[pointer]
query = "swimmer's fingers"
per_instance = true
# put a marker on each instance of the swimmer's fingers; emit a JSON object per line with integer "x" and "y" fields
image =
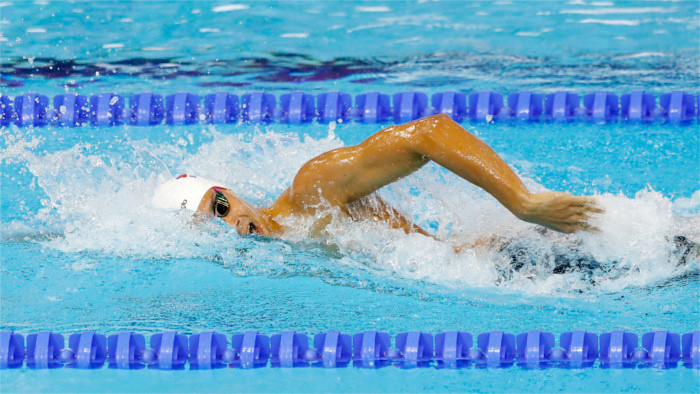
{"x": 590, "y": 204}
{"x": 578, "y": 226}
{"x": 583, "y": 201}
{"x": 586, "y": 226}
{"x": 562, "y": 211}
{"x": 593, "y": 209}
{"x": 579, "y": 222}
{"x": 586, "y": 214}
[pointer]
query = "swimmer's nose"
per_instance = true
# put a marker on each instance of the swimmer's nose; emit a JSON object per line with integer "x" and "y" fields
{"x": 245, "y": 226}
{"x": 241, "y": 225}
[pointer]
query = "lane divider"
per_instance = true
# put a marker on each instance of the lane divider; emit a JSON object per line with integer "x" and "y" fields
{"x": 371, "y": 349}
{"x": 149, "y": 109}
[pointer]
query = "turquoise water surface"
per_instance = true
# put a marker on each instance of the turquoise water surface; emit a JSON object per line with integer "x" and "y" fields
{"x": 83, "y": 249}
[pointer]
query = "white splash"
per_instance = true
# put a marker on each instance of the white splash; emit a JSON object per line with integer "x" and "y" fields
{"x": 372, "y": 9}
{"x": 98, "y": 201}
{"x": 230, "y": 7}
{"x": 294, "y": 35}
{"x": 612, "y": 22}
{"x": 528, "y": 33}
{"x": 642, "y": 54}
{"x": 629, "y": 10}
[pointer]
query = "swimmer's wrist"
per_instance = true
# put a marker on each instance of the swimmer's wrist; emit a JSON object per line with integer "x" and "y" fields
{"x": 524, "y": 206}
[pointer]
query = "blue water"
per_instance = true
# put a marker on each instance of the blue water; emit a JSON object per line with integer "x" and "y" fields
{"x": 82, "y": 248}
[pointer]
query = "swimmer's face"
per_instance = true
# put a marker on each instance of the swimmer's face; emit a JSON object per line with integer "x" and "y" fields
{"x": 241, "y": 215}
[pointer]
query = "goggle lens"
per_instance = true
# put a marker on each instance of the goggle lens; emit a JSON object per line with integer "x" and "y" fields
{"x": 221, "y": 205}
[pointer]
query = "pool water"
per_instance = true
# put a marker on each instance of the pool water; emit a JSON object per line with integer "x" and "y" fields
{"x": 83, "y": 249}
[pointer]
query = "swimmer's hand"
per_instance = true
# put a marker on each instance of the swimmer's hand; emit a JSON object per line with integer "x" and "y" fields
{"x": 562, "y": 212}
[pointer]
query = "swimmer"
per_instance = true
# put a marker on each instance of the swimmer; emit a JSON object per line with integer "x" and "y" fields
{"x": 346, "y": 178}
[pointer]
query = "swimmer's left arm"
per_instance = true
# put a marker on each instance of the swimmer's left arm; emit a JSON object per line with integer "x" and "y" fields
{"x": 345, "y": 175}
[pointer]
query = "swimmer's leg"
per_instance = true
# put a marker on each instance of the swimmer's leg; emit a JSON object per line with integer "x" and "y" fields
{"x": 685, "y": 249}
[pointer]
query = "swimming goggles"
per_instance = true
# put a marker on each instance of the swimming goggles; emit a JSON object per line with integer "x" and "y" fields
{"x": 221, "y": 205}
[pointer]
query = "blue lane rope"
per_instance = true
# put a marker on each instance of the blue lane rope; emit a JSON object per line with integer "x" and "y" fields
{"x": 370, "y": 349}
{"x": 149, "y": 109}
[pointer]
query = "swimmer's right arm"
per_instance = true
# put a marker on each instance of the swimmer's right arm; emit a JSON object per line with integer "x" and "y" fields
{"x": 348, "y": 174}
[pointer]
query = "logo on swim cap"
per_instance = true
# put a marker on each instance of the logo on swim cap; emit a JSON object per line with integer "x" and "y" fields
{"x": 178, "y": 192}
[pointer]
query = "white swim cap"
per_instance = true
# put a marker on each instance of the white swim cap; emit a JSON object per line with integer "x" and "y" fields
{"x": 183, "y": 192}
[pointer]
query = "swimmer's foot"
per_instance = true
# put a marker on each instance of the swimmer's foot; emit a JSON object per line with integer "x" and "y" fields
{"x": 685, "y": 249}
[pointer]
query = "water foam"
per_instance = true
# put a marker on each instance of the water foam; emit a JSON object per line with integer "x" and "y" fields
{"x": 97, "y": 202}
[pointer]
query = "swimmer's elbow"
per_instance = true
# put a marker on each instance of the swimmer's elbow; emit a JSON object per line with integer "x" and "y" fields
{"x": 439, "y": 121}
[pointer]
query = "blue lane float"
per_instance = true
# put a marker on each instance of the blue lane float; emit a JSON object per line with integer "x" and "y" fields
{"x": 662, "y": 349}
{"x": 296, "y": 108}
{"x": 617, "y": 349}
{"x": 12, "y": 350}
{"x": 5, "y": 110}
{"x": 251, "y": 350}
{"x": 370, "y": 349}
{"x": 453, "y": 104}
{"x": 498, "y": 349}
{"x": 89, "y": 350}
{"x": 691, "y": 349}
{"x": 184, "y": 108}
{"x": 44, "y": 350}
{"x": 333, "y": 348}
{"x": 561, "y": 106}
{"x": 677, "y": 106}
{"x": 534, "y": 348}
{"x": 181, "y": 108}
{"x": 207, "y": 350}
{"x": 525, "y": 106}
{"x": 71, "y": 110}
{"x": 372, "y": 107}
{"x": 171, "y": 350}
{"x": 31, "y": 110}
{"x": 601, "y": 106}
{"x": 258, "y": 107}
{"x": 638, "y": 106}
{"x": 125, "y": 350}
{"x": 146, "y": 109}
{"x": 580, "y": 348}
{"x": 334, "y": 107}
{"x": 452, "y": 348}
{"x": 486, "y": 106}
{"x": 220, "y": 108}
{"x": 289, "y": 349}
{"x": 415, "y": 349}
{"x": 409, "y": 106}
{"x": 107, "y": 109}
